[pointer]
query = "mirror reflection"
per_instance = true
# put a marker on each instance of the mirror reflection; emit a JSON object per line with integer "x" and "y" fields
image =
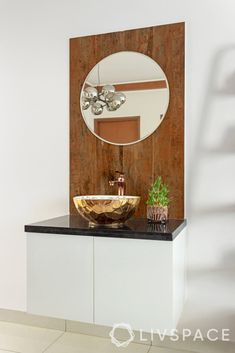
{"x": 124, "y": 98}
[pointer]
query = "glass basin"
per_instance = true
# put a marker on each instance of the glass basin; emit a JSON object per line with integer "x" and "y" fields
{"x": 108, "y": 210}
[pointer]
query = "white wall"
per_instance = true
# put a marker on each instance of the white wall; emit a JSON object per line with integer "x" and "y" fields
{"x": 34, "y": 78}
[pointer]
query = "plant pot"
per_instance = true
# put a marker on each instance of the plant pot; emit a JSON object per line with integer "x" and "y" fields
{"x": 157, "y": 214}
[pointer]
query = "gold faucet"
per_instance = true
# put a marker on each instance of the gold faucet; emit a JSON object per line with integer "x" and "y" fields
{"x": 120, "y": 181}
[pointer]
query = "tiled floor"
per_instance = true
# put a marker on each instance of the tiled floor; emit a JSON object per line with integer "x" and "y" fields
{"x": 16, "y": 338}
{"x": 26, "y": 339}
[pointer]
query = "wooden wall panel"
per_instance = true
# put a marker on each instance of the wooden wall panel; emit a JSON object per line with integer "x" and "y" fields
{"x": 93, "y": 162}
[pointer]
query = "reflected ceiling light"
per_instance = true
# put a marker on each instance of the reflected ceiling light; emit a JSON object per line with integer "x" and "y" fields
{"x": 108, "y": 98}
{"x": 97, "y": 100}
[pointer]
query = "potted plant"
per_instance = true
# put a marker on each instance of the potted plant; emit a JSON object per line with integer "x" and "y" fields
{"x": 158, "y": 202}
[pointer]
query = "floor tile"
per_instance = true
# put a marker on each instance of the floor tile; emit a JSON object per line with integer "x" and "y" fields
{"x": 77, "y": 343}
{"x": 26, "y": 339}
{"x": 198, "y": 346}
{"x": 166, "y": 350}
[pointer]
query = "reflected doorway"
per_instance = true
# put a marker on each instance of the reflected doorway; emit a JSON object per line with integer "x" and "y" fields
{"x": 118, "y": 130}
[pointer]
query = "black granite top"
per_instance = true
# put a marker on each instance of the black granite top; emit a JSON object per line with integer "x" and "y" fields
{"x": 136, "y": 228}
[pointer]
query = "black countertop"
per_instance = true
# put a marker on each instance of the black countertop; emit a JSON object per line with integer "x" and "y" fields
{"x": 136, "y": 228}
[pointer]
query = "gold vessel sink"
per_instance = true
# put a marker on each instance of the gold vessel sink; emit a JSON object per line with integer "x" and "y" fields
{"x": 109, "y": 210}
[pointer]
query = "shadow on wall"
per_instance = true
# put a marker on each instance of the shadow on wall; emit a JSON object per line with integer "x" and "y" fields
{"x": 204, "y": 322}
{"x": 223, "y": 274}
{"x": 211, "y": 299}
{"x": 216, "y": 210}
{"x": 227, "y": 145}
{"x": 220, "y": 88}
{"x": 211, "y": 204}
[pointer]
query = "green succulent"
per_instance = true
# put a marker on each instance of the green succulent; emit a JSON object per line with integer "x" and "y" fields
{"x": 158, "y": 194}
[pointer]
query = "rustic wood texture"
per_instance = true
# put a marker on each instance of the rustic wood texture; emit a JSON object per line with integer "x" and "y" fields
{"x": 93, "y": 162}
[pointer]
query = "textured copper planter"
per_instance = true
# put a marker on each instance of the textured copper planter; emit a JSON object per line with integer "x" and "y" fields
{"x": 157, "y": 214}
{"x": 108, "y": 210}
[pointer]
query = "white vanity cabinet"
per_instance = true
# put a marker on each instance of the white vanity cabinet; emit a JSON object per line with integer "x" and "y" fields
{"x": 60, "y": 276}
{"x": 139, "y": 282}
{"x": 99, "y": 278}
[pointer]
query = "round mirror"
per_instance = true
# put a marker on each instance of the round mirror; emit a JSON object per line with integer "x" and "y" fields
{"x": 124, "y": 98}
